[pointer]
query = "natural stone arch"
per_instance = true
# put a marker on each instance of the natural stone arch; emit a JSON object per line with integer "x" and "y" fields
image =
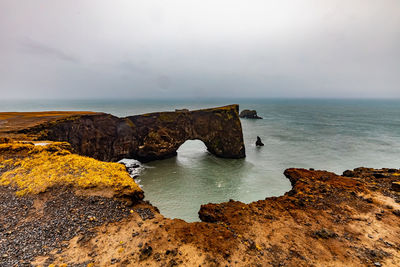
{"x": 194, "y": 145}
{"x": 161, "y": 134}
{"x": 150, "y": 136}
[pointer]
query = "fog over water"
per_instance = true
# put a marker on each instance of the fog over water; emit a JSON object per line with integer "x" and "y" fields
{"x": 176, "y": 48}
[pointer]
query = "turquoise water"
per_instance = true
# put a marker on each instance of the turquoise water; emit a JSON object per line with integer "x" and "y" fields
{"x": 334, "y": 135}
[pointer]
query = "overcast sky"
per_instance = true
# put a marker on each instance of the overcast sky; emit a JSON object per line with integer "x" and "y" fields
{"x": 187, "y": 48}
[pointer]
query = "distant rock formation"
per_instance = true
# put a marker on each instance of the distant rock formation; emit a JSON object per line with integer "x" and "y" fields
{"x": 149, "y": 136}
{"x": 259, "y": 142}
{"x": 249, "y": 114}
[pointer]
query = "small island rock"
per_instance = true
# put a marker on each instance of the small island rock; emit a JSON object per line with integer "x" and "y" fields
{"x": 259, "y": 142}
{"x": 249, "y": 114}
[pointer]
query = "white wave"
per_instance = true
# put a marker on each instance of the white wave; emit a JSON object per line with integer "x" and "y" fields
{"x": 134, "y": 168}
{"x": 42, "y": 144}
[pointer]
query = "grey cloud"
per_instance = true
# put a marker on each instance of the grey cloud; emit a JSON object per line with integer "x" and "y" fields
{"x": 157, "y": 48}
{"x": 131, "y": 66}
{"x": 163, "y": 81}
{"x": 33, "y": 47}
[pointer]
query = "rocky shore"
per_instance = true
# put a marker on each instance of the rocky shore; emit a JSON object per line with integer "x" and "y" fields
{"x": 325, "y": 220}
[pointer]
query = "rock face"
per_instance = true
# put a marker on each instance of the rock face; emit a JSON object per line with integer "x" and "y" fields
{"x": 396, "y": 186}
{"x": 326, "y": 220}
{"x": 249, "y": 114}
{"x": 149, "y": 136}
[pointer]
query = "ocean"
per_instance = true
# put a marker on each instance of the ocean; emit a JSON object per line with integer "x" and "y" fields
{"x": 333, "y": 135}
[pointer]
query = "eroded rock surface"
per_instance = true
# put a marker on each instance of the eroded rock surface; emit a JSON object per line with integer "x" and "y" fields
{"x": 149, "y": 136}
{"x": 325, "y": 220}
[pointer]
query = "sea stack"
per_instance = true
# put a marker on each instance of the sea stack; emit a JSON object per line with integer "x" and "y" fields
{"x": 259, "y": 142}
{"x": 249, "y": 114}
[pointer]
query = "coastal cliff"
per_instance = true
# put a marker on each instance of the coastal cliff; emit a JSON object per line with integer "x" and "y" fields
{"x": 325, "y": 220}
{"x": 62, "y": 209}
{"x": 149, "y": 136}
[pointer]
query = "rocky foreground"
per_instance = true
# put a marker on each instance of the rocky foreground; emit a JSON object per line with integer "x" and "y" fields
{"x": 325, "y": 220}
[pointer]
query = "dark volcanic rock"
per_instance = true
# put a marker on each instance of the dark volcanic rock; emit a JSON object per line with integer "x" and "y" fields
{"x": 324, "y": 233}
{"x": 149, "y": 136}
{"x": 30, "y": 231}
{"x": 5, "y": 140}
{"x": 259, "y": 142}
{"x": 396, "y": 186}
{"x": 249, "y": 114}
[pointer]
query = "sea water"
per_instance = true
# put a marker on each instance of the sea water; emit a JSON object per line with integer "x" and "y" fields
{"x": 332, "y": 135}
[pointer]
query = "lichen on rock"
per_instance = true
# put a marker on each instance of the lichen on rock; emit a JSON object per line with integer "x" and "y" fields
{"x": 35, "y": 169}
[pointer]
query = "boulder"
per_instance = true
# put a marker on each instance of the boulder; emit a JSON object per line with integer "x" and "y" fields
{"x": 249, "y": 114}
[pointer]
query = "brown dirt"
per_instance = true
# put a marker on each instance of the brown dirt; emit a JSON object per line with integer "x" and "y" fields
{"x": 15, "y": 121}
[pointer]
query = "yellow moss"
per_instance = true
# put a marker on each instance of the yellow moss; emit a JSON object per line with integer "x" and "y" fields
{"x": 48, "y": 166}
{"x": 15, "y": 146}
{"x": 168, "y": 116}
{"x": 154, "y": 135}
{"x": 23, "y": 149}
{"x": 130, "y": 123}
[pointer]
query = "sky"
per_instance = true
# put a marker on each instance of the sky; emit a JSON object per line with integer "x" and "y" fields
{"x": 199, "y": 49}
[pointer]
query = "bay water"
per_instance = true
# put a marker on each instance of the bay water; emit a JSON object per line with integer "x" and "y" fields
{"x": 328, "y": 134}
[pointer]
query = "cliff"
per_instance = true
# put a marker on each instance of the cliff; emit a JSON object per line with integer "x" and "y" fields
{"x": 325, "y": 220}
{"x": 149, "y": 136}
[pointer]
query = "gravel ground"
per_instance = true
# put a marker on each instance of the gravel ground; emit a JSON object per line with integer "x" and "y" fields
{"x": 27, "y": 231}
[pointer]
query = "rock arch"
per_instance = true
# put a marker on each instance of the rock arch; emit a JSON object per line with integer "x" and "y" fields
{"x": 192, "y": 145}
{"x": 150, "y": 136}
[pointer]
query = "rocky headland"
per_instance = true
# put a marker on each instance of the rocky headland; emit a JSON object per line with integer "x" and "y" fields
{"x": 145, "y": 137}
{"x": 59, "y": 208}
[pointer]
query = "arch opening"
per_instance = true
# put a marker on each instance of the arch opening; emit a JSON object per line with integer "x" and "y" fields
{"x": 192, "y": 148}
